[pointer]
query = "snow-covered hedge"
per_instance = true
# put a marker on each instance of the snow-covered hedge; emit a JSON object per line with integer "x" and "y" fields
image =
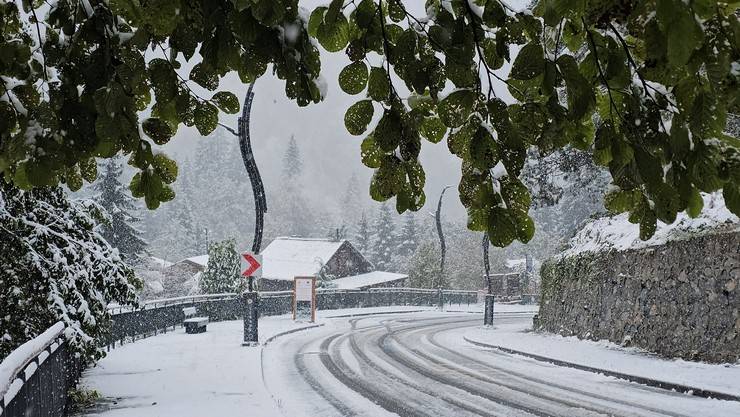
{"x": 55, "y": 267}
{"x": 616, "y": 232}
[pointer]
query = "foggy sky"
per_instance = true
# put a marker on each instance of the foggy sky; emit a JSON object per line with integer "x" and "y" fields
{"x": 330, "y": 153}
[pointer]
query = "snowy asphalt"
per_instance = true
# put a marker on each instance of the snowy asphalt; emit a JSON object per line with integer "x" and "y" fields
{"x": 418, "y": 365}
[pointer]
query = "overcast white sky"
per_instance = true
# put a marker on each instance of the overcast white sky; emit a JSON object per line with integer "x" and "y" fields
{"x": 330, "y": 153}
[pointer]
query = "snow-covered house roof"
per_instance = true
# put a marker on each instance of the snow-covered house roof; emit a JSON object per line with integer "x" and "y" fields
{"x": 288, "y": 257}
{"x": 160, "y": 262}
{"x": 370, "y": 279}
{"x": 194, "y": 263}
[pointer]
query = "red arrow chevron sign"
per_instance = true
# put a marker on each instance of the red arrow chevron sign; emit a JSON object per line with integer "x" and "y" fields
{"x": 253, "y": 267}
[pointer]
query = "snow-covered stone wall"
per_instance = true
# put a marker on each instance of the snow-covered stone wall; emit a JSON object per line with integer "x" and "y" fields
{"x": 679, "y": 299}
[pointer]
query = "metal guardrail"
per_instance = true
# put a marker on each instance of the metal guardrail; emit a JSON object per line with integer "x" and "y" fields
{"x": 37, "y": 377}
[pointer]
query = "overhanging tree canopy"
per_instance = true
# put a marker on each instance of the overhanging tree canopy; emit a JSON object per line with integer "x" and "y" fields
{"x": 645, "y": 84}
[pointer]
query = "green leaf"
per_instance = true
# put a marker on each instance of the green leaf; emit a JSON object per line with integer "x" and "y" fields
{"x": 205, "y": 117}
{"x": 388, "y": 132}
{"x": 334, "y": 36}
{"x": 378, "y": 88}
{"x": 648, "y": 224}
{"x": 358, "y": 116}
{"x": 502, "y": 228}
{"x": 603, "y": 145}
{"x": 158, "y": 130}
{"x": 204, "y": 76}
{"x": 268, "y": 12}
{"x": 395, "y": 10}
{"x": 316, "y": 19}
{"x": 731, "y": 194}
{"x": 619, "y": 201}
{"x": 529, "y": 63}
{"x": 163, "y": 78}
{"x": 490, "y": 54}
{"x": 483, "y": 150}
{"x": 353, "y": 78}
{"x": 88, "y": 169}
{"x": 694, "y": 202}
{"x": 457, "y": 107}
{"x": 515, "y": 194}
{"x": 165, "y": 167}
{"x": 581, "y": 97}
{"x": 371, "y": 153}
{"x": 226, "y": 101}
{"x": 432, "y": 129}
{"x": 524, "y": 226}
{"x": 683, "y": 32}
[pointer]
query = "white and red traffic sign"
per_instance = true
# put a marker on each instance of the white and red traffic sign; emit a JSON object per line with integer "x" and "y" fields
{"x": 251, "y": 264}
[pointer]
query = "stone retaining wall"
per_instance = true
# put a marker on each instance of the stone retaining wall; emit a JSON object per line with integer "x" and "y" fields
{"x": 681, "y": 299}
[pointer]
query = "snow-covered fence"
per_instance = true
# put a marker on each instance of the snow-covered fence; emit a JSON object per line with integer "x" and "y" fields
{"x": 35, "y": 377}
{"x": 160, "y": 316}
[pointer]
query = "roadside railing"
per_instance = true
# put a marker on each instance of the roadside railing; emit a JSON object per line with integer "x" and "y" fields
{"x": 161, "y": 316}
{"x": 36, "y": 377}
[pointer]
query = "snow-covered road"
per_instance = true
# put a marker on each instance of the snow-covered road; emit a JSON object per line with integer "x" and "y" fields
{"x": 419, "y": 365}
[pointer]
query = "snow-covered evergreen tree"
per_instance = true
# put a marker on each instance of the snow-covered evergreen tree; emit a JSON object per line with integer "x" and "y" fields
{"x": 56, "y": 267}
{"x": 384, "y": 243}
{"x": 222, "y": 272}
{"x": 424, "y": 266}
{"x": 363, "y": 236}
{"x": 409, "y": 239}
{"x": 293, "y": 211}
{"x": 351, "y": 204}
{"x": 292, "y": 161}
{"x": 120, "y": 230}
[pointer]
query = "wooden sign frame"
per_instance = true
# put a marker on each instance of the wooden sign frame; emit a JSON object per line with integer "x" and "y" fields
{"x": 313, "y": 296}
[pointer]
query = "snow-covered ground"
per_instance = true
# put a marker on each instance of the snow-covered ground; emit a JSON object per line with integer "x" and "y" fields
{"x": 206, "y": 374}
{"x": 616, "y": 232}
{"x": 611, "y": 357}
{"x": 178, "y": 374}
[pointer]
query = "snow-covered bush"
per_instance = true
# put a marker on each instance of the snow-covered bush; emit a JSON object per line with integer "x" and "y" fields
{"x": 222, "y": 272}
{"x": 54, "y": 266}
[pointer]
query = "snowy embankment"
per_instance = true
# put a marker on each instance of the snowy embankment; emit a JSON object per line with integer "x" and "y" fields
{"x": 616, "y": 232}
{"x": 611, "y": 357}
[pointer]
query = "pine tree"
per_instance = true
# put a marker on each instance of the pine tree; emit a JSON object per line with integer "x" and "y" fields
{"x": 351, "y": 204}
{"x": 384, "y": 244}
{"x": 409, "y": 239}
{"x": 293, "y": 210}
{"x": 57, "y": 267}
{"x": 114, "y": 197}
{"x": 292, "y": 162}
{"x": 363, "y": 237}
{"x": 424, "y": 266}
{"x": 222, "y": 272}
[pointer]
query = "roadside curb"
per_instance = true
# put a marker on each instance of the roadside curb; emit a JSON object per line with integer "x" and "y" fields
{"x": 287, "y": 332}
{"x": 698, "y": 392}
{"x": 374, "y": 314}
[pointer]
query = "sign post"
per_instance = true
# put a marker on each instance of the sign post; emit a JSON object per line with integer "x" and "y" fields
{"x": 252, "y": 267}
{"x": 304, "y": 298}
